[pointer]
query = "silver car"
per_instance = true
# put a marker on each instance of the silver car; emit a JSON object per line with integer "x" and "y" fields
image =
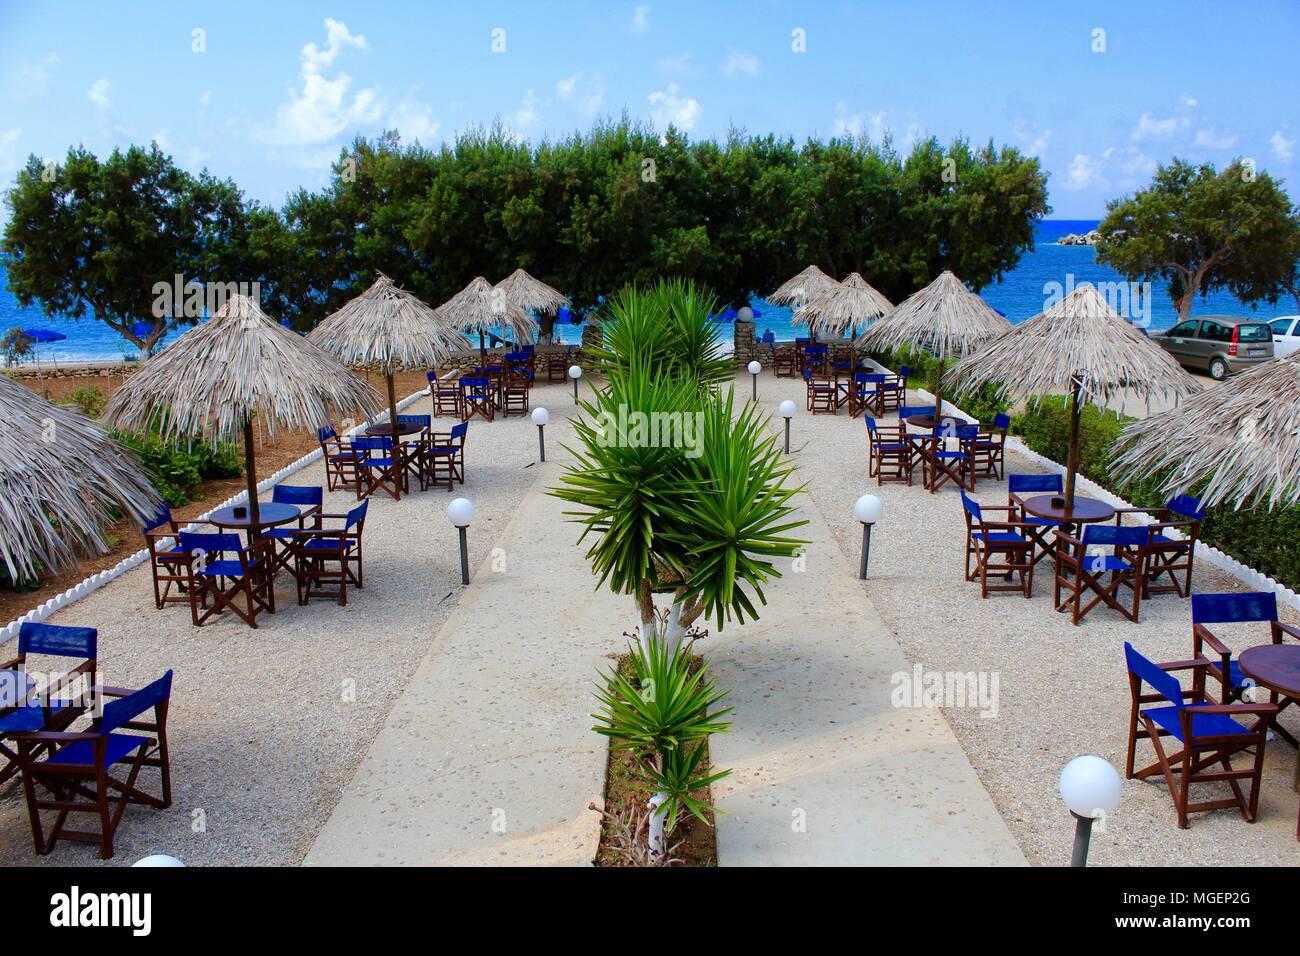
{"x": 1218, "y": 344}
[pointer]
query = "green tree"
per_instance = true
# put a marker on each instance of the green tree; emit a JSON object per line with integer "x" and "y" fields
{"x": 1202, "y": 231}
{"x": 94, "y": 237}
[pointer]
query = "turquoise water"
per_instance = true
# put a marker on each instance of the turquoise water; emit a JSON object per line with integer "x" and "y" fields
{"x": 1023, "y": 293}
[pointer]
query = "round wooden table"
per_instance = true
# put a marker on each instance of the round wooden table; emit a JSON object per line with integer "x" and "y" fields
{"x": 1275, "y": 667}
{"x": 928, "y": 423}
{"x": 269, "y": 515}
{"x": 385, "y": 430}
{"x": 1085, "y": 510}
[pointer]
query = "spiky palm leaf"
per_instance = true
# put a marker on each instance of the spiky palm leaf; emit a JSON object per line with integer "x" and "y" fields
{"x": 669, "y": 326}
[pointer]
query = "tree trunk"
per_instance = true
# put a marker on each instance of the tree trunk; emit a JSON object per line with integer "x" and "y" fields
{"x": 655, "y": 826}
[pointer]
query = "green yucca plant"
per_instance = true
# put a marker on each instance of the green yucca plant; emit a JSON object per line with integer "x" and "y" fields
{"x": 664, "y": 713}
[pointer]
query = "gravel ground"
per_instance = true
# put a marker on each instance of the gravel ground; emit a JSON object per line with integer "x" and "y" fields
{"x": 1063, "y": 690}
{"x": 267, "y": 726}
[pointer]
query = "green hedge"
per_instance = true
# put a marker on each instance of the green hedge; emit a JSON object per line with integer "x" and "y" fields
{"x": 179, "y": 472}
{"x": 1268, "y": 541}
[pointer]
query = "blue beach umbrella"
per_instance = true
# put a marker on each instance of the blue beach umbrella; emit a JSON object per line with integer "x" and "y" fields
{"x": 44, "y": 335}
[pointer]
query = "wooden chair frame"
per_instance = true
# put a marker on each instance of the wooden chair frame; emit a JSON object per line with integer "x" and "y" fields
{"x": 888, "y": 447}
{"x": 1043, "y": 532}
{"x": 1075, "y": 577}
{"x": 340, "y": 460}
{"x": 1183, "y": 769}
{"x": 168, "y": 567}
{"x": 445, "y": 458}
{"x": 383, "y": 472}
{"x": 785, "y": 361}
{"x": 445, "y": 396}
{"x": 341, "y": 564}
{"x": 1016, "y": 555}
{"x": 1170, "y": 556}
{"x": 990, "y": 448}
{"x": 103, "y": 794}
{"x": 255, "y": 581}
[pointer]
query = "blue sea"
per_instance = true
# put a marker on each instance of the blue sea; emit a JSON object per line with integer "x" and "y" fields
{"x": 1049, "y": 269}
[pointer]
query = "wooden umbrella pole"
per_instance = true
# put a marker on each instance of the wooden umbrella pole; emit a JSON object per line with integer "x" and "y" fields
{"x": 1072, "y": 462}
{"x": 250, "y": 473}
{"x": 392, "y": 402}
{"x": 396, "y": 452}
{"x": 482, "y": 350}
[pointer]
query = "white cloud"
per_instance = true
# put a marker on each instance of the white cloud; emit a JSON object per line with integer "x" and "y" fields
{"x": 1033, "y": 140}
{"x": 676, "y": 64}
{"x": 641, "y": 18}
{"x": 1084, "y": 171}
{"x": 205, "y": 98}
{"x": 9, "y": 154}
{"x": 162, "y": 139}
{"x": 586, "y": 95}
{"x": 415, "y": 122}
{"x": 877, "y": 126}
{"x": 1150, "y": 126}
{"x": 1283, "y": 149}
{"x": 527, "y": 119}
{"x": 1211, "y": 138}
{"x": 33, "y": 79}
{"x": 1187, "y": 100}
{"x": 99, "y": 93}
{"x": 739, "y": 62}
{"x": 671, "y": 107}
{"x": 322, "y": 107}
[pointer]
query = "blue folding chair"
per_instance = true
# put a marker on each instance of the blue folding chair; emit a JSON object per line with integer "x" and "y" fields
{"x": 1082, "y": 565}
{"x": 865, "y": 394}
{"x": 26, "y": 705}
{"x": 894, "y": 390}
{"x": 987, "y": 541}
{"x": 445, "y": 395}
{"x": 326, "y": 556}
{"x": 478, "y": 396}
{"x": 444, "y": 459}
{"x": 413, "y": 447}
{"x": 377, "y": 467}
{"x": 1040, "y": 529}
{"x": 991, "y": 446}
{"x": 340, "y": 460}
{"x": 887, "y": 447}
{"x": 309, "y": 499}
{"x": 1208, "y": 733}
{"x": 166, "y": 564}
{"x": 84, "y": 764}
{"x": 1170, "y": 556}
{"x": 1247, "y": 607}
{"x": 214, "y": 576}
{"x": 956, "y": 464}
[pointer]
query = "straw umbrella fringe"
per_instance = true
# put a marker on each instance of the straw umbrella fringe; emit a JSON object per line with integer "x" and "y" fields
{"x": 388, "y": 328}
{"x": 531, "y": 295}
{"x": 838, "y": 308}
{"x": 61, "y": 479}
{"x": 801, "y": 287}
{"x": 239, "y": 365}
{"x": 944, "y": 317}
{"x": 1079, "y": 347}
{"x": 478, "y": 307}
{"x": 1242, "y": 439}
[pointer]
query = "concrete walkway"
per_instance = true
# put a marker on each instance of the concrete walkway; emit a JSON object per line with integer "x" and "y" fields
{"x": 825, "y": 770}
{"x": 488, "y": 757}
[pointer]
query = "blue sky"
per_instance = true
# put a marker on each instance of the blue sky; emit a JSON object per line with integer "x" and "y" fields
{"x": 281, "y": 86}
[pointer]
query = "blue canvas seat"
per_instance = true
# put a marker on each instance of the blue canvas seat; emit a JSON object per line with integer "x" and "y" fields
{"x": 1248, "y": 607}
{"x": 1083, "y": 562}
{"x": 1210, "y": 735}
{"x": 1020, "y": 487}
{"x": 990, "y": 446}
{"x": 167, "y": 562}
{"x": 1167, "y": 555}
{"x": 443, "y": 461}
{"x": 328, "y": 559}
{"x": 60, "y": 767}
{"x": 309, "y": 499}
{"x": 889, "y": 456}
{"x": 893, "y": 391}
{"x": 339, "y": 457}
{"x": 218, "y": 581}
{"x": 26, "y": 706}
{"x": 997, "y": 549}
{"x": 445, "y": 394}
{"x": 377, "y": 467}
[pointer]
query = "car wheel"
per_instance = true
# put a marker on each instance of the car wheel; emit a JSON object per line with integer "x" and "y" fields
{"x": 1218, "y": 369}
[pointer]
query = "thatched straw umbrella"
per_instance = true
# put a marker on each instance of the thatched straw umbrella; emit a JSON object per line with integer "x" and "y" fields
{"x": 1241, "y": 438}
{"x": 61, "y": 477}
{"x": 478, "y": 307}
{"x": 802, "y": 287}
{"x": 388, "y": 328}
{"x": 532, "y": 295}
{"x": 239, "y": 365}
{"x": 944, "y": 317}
{"x": 1079, "y": 347}
{"x": 838, "y": 308}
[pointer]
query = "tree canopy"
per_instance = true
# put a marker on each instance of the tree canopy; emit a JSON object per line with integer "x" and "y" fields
{"x": 587, "y": 214}
{"x": 1202, "y": 231}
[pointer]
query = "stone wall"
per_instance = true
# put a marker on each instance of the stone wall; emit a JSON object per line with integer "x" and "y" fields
{"x": 744, "y": 342}
{"x": 25, "y": 373}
